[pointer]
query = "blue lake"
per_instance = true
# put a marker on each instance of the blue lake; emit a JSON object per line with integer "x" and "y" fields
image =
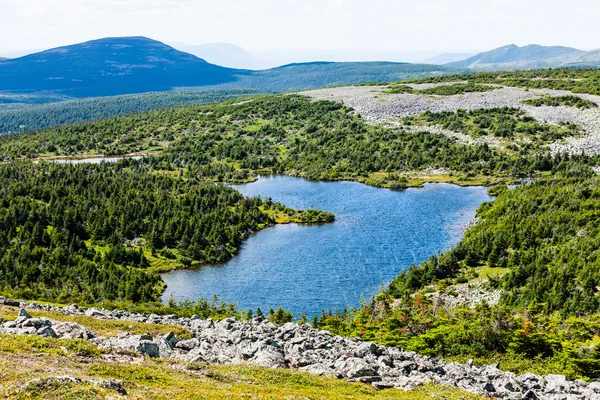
{"x": 377, "y": 234}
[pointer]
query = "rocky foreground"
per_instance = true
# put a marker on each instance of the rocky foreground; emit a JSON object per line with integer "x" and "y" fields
{"x": 262, "y": 343}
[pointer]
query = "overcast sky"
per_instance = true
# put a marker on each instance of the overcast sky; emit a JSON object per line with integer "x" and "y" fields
{"x": 375, "y": 26}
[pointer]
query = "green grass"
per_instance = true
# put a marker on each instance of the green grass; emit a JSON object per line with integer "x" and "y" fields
{"x": 151, "y": 379}
{"x": 486, "y": 272}
{"x": 37, "y": 345}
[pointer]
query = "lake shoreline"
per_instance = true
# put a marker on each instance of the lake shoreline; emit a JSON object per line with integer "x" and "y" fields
{"x": 366, "y": 249}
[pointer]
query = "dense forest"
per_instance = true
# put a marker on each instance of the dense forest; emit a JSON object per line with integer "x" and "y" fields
{"x": 97, "y": 232}
{"x": 20, "y": 113}
{"x": 282, "y": 134}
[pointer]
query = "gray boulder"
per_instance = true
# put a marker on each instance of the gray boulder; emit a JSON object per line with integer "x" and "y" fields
{"x": 72, "y": 330}
{"x": 37, "y": 323}
{"x": 556, "y": 384}
{"x": 365, "y": 349}
{"x": 95, "y": 312}
{"x": 10, "y": 324}
{"x": 187, "y": 345}
{"x": 164, "y": 347}
{"x": 202, "y": 324}
{"x": 10, "y": 303}
{"x": 320, "y": 369}
{"x": 357, "y": 367}
{"x": 170, "y": 338}
{"x": 268, "y": 357}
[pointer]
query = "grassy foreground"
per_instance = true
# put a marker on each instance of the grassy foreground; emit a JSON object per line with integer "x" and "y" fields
{"x": 25, "y": 358}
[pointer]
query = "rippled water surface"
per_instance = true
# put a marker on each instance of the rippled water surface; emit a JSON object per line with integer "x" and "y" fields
{"x": 377, "y": 234}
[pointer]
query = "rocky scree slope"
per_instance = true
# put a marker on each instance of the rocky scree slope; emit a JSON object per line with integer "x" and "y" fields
{"x": 262, "y": 343}
{"x": 378, "y": 107}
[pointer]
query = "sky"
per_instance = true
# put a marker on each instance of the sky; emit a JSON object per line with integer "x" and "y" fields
{"x": 352, "y": 29}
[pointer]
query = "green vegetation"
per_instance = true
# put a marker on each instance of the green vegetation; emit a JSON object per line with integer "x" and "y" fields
{"x": 506, "y": 123}
{"x": 538, "y": 243}
{"x": 34, "y": 344}
{"x": 457, "y": 88}
{"x": 23, "y": 113}
{"x": 556, "y": 101}
{"x": 398, "y": 88}
{"x": 546, "y": 233}
{"x": 97, "y": 234}
{"x": 441, "y": 90}
{"x": 535, "y": 342}
{"x": 81, "y": 232}
{"x": 274, "y": 134}
{"x": 576, "y": 80}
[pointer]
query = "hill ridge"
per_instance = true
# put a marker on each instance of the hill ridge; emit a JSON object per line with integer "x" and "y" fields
{"x": 511, "y": 55}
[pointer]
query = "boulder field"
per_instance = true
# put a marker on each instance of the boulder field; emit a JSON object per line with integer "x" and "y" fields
{"x": 262, "y": 343}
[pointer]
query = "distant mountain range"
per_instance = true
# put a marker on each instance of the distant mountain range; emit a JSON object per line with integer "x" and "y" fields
{"x": 513, "y": 57}
{"x": 115, "y": 66}
{"x": 446, "y": 58}
{"x": 223, "y": 54}
{"x": 130, "y": 65}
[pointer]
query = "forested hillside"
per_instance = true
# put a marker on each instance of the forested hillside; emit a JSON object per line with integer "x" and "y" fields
{"x": 26, "y": 113}
{"x": 99, "y": 232}
{"x": 109, "y": 66}
{"x": 526, "y": 57}
{"x": 284, "y": 134}
{"x": 545, "y": 236}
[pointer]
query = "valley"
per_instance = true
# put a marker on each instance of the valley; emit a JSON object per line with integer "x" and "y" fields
{"x": 100, "y": 234}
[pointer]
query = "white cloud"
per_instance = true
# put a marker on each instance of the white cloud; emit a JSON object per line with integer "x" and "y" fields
{"x": 316, "y": 25}
{"x": 336, "y": 4}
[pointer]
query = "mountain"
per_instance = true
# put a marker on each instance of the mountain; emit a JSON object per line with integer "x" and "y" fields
{"x": 115, "y": 66}
{"x": 589, "y": 59}
{"x": 3, "y": 58}
{"x": 303, "y": 76}
{"x": 515, "y": 57}
{"x": 446, "y": 58}
{"x": 223, "y": 54}
{"x": 109, "y": 66}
